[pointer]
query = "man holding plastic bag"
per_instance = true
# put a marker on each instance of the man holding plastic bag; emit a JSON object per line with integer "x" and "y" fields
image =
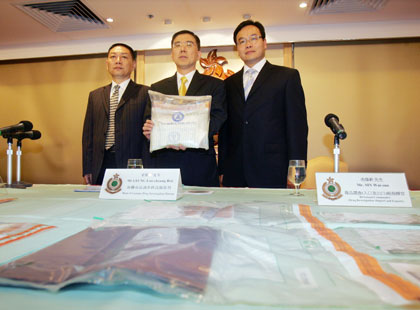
{"x": 183, "y": 123}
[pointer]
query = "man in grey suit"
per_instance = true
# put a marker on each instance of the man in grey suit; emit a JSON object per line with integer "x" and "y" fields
{"x": 267, "y": 124}
{"x": 198, "y": 166}
{"x": 114, "y": 117}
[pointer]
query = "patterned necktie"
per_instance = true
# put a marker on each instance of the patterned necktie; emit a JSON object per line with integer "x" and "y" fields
{"x": 250, "y": 75}
{"x": 113, "y": 104}
{"x": 183, "y": 88}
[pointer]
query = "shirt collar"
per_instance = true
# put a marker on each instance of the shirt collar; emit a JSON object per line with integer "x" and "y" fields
{"x": 121, "y": 91}
{"x": 189, "y": 77}
{"x": 258, "y": 66}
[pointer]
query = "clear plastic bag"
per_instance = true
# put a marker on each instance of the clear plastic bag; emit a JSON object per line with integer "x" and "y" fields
{"x": 169, "y": 260}
{"x": 179, "y": 120}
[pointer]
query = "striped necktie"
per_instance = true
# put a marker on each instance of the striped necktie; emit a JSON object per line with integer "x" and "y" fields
{"x": 250, "y": 75}
{"x": 113, "y": 104}
{"x": 183, "y": 88}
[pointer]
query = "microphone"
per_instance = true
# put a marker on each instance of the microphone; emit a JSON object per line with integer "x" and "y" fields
{"x": 22, "y": 126}
{"x": 332, "y": 121}
{"x": 33, "y": 135}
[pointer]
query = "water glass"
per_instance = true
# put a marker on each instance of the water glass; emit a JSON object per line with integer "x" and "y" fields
{"x": 135, "y": 163}
{"x": 296, "y": 174}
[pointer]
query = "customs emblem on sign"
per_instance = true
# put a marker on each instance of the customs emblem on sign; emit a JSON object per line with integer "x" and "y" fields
{"x": 331, "y": 189}
{"x": 114, "y": 184}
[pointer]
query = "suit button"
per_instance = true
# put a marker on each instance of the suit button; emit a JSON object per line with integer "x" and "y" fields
{"x": 246, "y": 122}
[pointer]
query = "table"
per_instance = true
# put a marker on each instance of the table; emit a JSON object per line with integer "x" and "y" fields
{"x": 276, "y": 250}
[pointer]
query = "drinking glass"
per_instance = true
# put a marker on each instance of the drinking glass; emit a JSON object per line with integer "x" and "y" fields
{"x": 296, "y": 174}
{"x": 135, "y": 163}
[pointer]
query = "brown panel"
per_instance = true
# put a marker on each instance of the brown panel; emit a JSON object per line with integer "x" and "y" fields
{"x": 288, "y": 55}
{"x": 140, "y": 69}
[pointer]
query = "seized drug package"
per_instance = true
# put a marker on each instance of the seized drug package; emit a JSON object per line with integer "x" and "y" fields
{"x": 179, "y": 120}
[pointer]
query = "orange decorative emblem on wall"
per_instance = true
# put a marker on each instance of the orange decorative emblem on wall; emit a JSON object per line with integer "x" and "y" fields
{"x": 213, "y": 65}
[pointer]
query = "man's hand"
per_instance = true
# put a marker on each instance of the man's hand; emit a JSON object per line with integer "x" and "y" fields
{"x": 88, "y": 178}
{"x": 176, "y": 147}
{"x": 147, "y": 128}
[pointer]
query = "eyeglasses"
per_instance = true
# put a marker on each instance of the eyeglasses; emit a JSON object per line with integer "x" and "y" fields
{"x": 187, "y": 44}
{"x": 251, "y": 39}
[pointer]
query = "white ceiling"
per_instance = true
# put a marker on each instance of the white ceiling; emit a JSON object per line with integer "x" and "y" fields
{"x": 18, "y": 29}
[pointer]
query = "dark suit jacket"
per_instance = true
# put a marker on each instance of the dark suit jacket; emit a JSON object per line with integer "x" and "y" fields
{"x": 198, "y": 166}
{"x": 262, "y": 134}
{"x": 128, "y": 127}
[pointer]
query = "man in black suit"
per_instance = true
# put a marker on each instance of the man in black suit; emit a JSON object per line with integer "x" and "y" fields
{"x": 266, "y": 125}
{"x": 198, "y": 166}
{"x": 114, "y": 117}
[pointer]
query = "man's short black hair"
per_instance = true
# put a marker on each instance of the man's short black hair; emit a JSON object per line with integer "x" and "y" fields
{"x": 197, "y": 39}
{"x": 133, "y": 54}
{"x": 249, "y": 22}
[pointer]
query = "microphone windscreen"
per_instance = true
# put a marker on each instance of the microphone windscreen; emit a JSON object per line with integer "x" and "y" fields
{"x": 36, "y": 135}
{"x": 328, "y": 117}
{"x": 27, "y": 125}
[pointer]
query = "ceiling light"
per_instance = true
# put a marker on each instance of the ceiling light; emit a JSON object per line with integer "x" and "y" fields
{"x": 110, "y": 20}
{"x": 167, "y": 21}
{"x": 246, "y": 16}
{"x": 303, "y": 5}
{"x": 206, "y": 19}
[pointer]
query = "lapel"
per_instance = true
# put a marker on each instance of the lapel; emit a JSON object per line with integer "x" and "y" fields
{"x": 131, "y": 87}
{"x": 195, "y": 85}
{"x": 106, "y": 90}
{"x": 237, "y": 80}
{"x": 261, "y": 79}
{"x": 171, "y": 87}
{"x": 256, "y": 97}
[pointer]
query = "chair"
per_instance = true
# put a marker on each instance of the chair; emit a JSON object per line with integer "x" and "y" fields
{"x": 320, "y": 164}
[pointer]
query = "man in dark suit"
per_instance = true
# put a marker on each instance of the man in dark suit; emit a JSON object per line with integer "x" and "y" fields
{"x": 198, "y": 166}
{"x": 114, "y": 117}
{"x": 266, "y": 125}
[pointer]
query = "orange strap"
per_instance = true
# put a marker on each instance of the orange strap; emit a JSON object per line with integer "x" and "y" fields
{"x": 23, "y": 234}
{"x": 368, "y": 265}
{"x": 6, "y": 200}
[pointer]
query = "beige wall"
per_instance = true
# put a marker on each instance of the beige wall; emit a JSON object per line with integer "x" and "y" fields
{"x": 372, "y": 87}
{"x": 53, "y": 95}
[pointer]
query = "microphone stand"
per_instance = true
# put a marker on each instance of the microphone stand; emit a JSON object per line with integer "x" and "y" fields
{"x": 18, "y": 182}
{"x": 10, "y": 166}
{"x": 336, "y": 153}
{"x": 9, "y": 153}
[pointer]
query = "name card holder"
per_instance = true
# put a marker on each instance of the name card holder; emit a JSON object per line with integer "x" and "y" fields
{"x": 362, "y": 189}
{"x": 145, "y": 184}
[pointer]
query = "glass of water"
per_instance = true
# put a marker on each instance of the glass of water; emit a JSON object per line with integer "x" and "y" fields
{"x": 135, "y": 163}
{"x": 296, "y": 174}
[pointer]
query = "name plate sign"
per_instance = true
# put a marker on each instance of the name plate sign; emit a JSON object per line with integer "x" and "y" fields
{"x": 146, "y": 184}
{"x": 362, "y": 189}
